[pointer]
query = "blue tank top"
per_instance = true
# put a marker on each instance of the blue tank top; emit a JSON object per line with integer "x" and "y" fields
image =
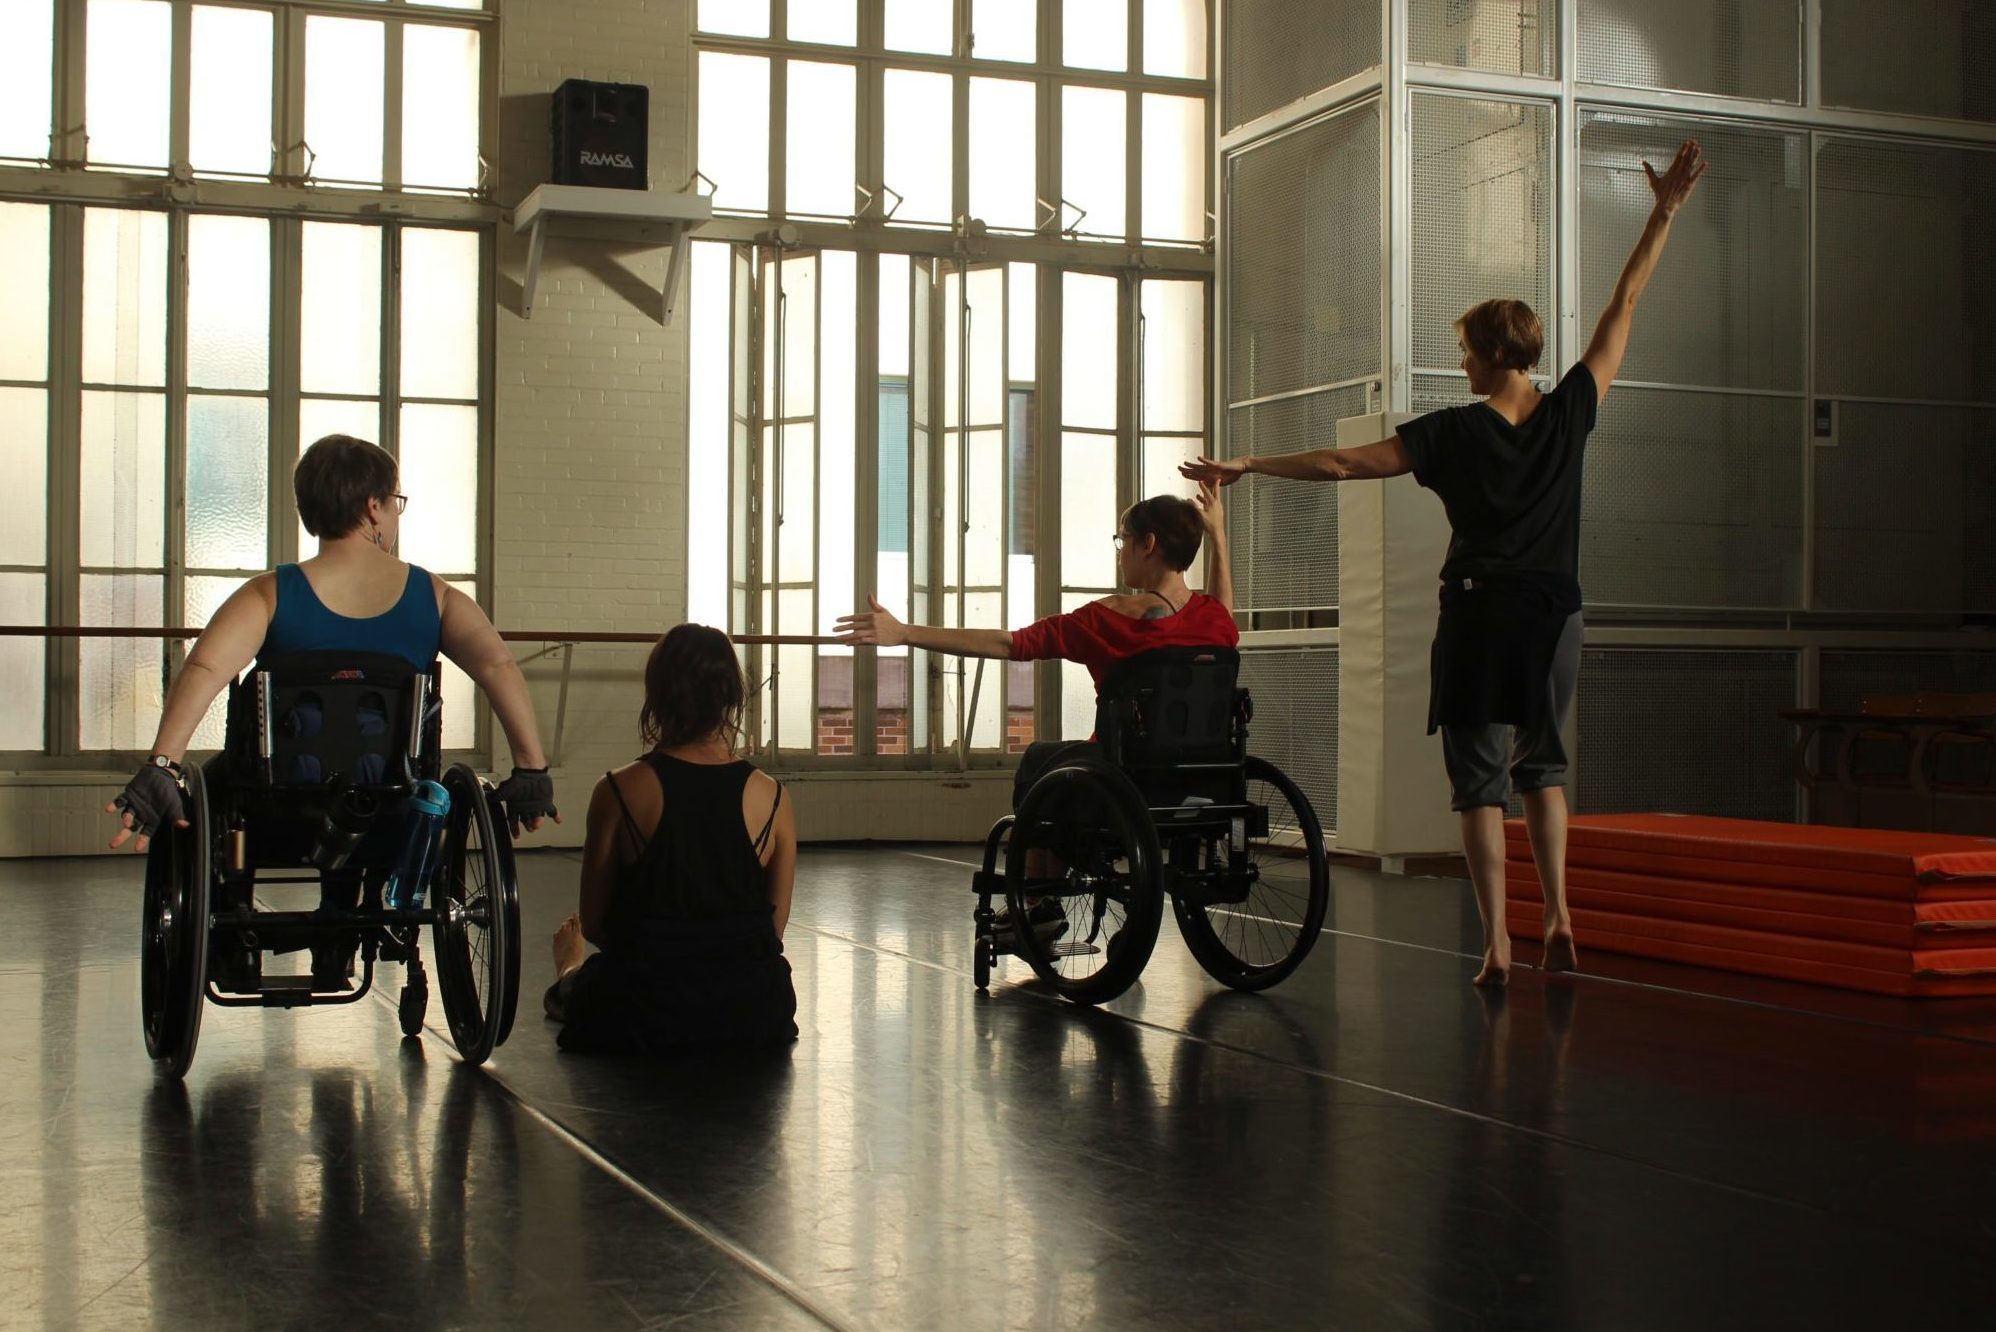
{"x": 411, "y": 629}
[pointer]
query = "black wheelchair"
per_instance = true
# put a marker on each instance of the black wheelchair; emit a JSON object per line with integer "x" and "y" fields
{"x": 321, "y": 751}
{"x": 1167, "y": 802}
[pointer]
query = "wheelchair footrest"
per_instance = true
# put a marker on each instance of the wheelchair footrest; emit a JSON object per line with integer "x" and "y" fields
{"x": 988, "y": 883}
{"x": 293, "y": 991}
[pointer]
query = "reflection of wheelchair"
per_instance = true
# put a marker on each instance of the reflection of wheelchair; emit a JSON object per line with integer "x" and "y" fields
{"x": 1170, "y": 803}
{"x": 315, "y": 741}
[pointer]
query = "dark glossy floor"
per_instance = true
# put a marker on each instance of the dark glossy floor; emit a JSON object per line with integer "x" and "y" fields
{"x": 1374, "y": 1145}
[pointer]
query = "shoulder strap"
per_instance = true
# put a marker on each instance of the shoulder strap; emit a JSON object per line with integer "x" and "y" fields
{"x": 630, "y": 824}
{"x": 762, "y": 838}
{"x": 1166, "y": 600}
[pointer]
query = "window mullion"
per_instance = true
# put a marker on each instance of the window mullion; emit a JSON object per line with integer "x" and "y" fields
{"x": 866, "y": 490}
{"x": 63, "y": 660}
{"x": 485, "y": 510}
{"x": 391, "y": 340}
{"x": 288, "y": 74}
{"x": 391, "y": 109}
{"x": 67, "y": 135}
{"x": 286, "y": 337}
{"x": 173, "y": 600}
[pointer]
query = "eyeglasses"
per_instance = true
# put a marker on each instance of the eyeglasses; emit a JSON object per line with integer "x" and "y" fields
{"x": 1119, "y": 539}
{"x": 401, "y": 502}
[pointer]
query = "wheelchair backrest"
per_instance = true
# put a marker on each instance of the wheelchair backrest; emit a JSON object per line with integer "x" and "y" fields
{"x": 1173, "y": 708}
{"x": 308, "y": 718}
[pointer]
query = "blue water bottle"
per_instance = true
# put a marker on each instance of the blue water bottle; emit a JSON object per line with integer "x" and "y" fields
{"x": 426, "y": 806}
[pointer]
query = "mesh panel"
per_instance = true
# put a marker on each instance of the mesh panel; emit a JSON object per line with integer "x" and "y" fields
{"x": 1726, "y": 306}
{"x": 1280, "y": 50}
{"x": 1906, "y": 298}
{"x": 1848, "y": 676}
{"x": 1507, "y": 36}
{"x": 1295, "y": 724}
{"x": 1688, "y": 732}
{"x": 1693, "y": 499}
{"x": 1902, "y": 510}
{"x": 1736, "y": 48}
{"x": 1482, "y": 214}
{"x": 1303, "y": 258}
{"x": 1920, "y": 57}
{"x": 1287, "y": 556}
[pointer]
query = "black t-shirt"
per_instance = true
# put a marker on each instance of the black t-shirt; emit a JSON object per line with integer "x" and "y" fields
{"x": 1512, "y": 492}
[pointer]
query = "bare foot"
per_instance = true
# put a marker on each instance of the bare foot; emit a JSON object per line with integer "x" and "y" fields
{"x": 1560, "y": 954}
{"x": 569, "y": 949}
{"x": 1496, "y": 970}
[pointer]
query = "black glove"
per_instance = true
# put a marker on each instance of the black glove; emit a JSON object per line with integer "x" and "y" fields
{"x": 528, "y": 796}
{"x": 153, "y": 799}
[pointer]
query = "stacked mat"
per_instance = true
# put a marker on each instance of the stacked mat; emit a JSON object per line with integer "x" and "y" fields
{"x": 1867, "y": 909}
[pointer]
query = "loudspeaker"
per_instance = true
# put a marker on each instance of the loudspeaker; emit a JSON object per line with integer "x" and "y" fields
{"x": 601, "y": 133}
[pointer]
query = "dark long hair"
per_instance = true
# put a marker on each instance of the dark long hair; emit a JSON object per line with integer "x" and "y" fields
{"x": 693, "y": 688}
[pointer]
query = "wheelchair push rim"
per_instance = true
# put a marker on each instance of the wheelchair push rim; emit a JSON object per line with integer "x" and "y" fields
{"x": 476, "y": 935}
{"x": 173, "y": 936}
{"x": 1258, "y": 941}
{"x": 1108, "y": 890}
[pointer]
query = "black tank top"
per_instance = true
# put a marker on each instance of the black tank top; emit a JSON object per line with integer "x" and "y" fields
{"x": 699, "y": 862}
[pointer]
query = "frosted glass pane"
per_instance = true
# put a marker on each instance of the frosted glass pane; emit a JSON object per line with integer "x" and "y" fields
{"x": 743, "y": 18}
{"x": 439, "y": 313}
{"x": 1162, "y": 454}
{"x": 229, "y": 94}
{"x": 24, "y": 423}
{"x": 920, "y": 117}
{"x": 1002, "y": 134}
{"x": 340, "y": 337}
{"x": 439, "y": 448}
{"x": 919, "y": 25}
{"x": 1174, "y": 355}
{"x": 122, "y": 678}
{"x": 228, "y": 302}
{"x": 986, "y": 287}
{"x": 799, "y": 317}
{"x": 459, "y": 694}
{"x": 1174, "y": 185}
{"x": 124, "y": 480}
{"x": 734, "y": 130}
{"x": 837, "y": 448}
{"x": 1175, "y": 38}
{"x": 23, "y": 600}
{"x": 24, "y": 291}
{"x": 1095, "y": 34}
{"x": 796, "y": 519}
{"x": 894, "y": 278}
{"x": 319, "y": 417}
{"x": 228, "y": 482}
{"x": 1021, "y": 301}
{"x": 343, "y": 98}
{"x": 984, "y": 515}
{"x": 27, "y": 64}
{"x": 1077, "y": 689}
{"x": 821, "y": 171}
{"x": 796, "y": 713}
{"x": 129, "y": 53}
{"x": 204, "y": 596}
{"x": 440, "y": 86}
{"x": 1003, "y": 29}
{"x": 1094, "y": 134}
{"x": 835, "y": 22}
{"x": 1087, "y": 510}
{"x": 124, "y": 297}
{"x": 1088, "y": 351}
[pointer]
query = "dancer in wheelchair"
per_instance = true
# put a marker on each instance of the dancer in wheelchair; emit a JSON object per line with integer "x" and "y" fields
{"x": 1156, "y": 541}
{"x": 354, "y": 595}
{"x": 686, "y": 877}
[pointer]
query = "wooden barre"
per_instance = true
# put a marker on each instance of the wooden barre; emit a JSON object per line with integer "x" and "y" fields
{"x": 510, "y": 635}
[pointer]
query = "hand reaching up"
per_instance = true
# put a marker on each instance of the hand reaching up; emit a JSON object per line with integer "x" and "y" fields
{"x": 1674, "y": 186}
{"x": 876, "y": 627}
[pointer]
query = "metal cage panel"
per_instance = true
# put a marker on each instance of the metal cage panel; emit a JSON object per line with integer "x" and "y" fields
{"x": 1917, "y": 57}
{"x": 1287, "y": 554}
{"x": 1295, "y": 724}
{"x": 1279, "y": 50}
{"x": 1502, "y": 36}
{"x": 1733, "y": 48}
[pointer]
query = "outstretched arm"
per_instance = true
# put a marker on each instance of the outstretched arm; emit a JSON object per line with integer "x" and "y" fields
{"x": 1369, "y": 462}
{"x": 1219, "y": 569}
{"x": 878, "y": 627}
{"x": 1611, "y": 335}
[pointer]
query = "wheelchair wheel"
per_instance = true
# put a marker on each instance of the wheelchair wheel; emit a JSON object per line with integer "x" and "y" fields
{"x": 1256, "y": 942}
{"x": 1091, "y": 822}
{"x": 477, "y": 940}
{"x": 173, "y": 941}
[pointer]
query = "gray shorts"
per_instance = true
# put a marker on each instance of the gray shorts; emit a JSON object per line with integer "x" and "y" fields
{"x": 1485, "y": 763}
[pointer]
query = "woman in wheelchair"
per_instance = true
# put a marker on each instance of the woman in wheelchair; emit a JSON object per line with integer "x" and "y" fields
{"x": 1156, "y": 541}
{"x": 355, "y": 596}
{"x": 686, "y": 877}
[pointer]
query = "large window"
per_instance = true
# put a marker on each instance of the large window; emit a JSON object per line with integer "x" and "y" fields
{"x": 163, "y": 364}
{"x": 951, "y": 427}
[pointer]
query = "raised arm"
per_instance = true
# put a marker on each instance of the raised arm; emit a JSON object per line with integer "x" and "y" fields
{"x": 1368, "y": 462}
{"x": 1219, "y": 567}
{"x": 1611, "y": 336}
{"x": 878, "y": 627}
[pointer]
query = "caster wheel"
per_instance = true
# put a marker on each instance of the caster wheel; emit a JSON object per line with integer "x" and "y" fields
{"x": 415, "y": 1002}
{"x": 980, "y": 963}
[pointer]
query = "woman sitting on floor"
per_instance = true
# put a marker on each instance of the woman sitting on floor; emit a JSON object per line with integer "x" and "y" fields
{"x": 686, "y": 877}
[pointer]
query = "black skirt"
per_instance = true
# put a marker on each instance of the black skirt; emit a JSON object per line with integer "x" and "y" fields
{"x": 1493, "y": 653}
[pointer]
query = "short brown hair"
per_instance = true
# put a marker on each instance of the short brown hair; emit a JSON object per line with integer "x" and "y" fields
{"x": 1174, "y": 522}
{"x": 1505, "y": 334}
{"x": 693, "y": 688}
{"x": 336, "y": 478}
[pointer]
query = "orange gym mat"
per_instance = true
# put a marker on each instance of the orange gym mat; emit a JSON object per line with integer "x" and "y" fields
{"x": 1887, "y": 912}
